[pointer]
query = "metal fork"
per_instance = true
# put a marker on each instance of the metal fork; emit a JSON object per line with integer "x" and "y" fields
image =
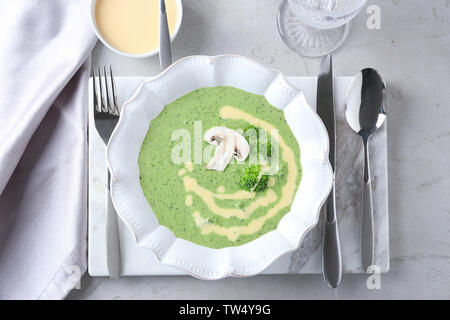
{"x": 106, "y": 116}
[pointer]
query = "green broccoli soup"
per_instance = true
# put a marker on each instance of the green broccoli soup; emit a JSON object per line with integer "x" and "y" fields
{"x": 220, "y": 166}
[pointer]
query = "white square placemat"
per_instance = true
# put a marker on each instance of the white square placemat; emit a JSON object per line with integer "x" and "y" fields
{"x": 137, "y": 261}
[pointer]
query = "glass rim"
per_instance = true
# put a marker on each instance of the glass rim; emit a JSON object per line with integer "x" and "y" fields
{"x": 354, "y": 12}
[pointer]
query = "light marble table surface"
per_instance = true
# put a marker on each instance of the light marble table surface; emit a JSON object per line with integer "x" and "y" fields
{"x": 411, "y": 50}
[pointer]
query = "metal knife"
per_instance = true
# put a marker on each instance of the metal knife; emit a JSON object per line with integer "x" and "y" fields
{"x": 165, "y": 50}
{"x": 331, "y": 251}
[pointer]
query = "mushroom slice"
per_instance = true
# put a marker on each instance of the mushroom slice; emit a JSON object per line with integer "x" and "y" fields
{"x": 229, "y": 144}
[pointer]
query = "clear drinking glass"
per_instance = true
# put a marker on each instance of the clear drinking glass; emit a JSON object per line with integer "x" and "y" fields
{"x": 314, "y": 28}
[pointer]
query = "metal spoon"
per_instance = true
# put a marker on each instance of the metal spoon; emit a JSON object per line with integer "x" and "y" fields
{"x": 365, "y": 112}
{"x": 165, "y": 49}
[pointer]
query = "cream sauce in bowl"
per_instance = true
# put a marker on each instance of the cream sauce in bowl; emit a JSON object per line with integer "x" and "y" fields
{"x": 131, "y": 27}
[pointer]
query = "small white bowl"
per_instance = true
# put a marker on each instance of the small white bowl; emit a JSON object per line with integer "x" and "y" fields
{"x": 130, "y": 55}
{"x": 180, "y": 78}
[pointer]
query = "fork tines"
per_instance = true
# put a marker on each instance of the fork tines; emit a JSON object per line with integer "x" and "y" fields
{"x": 104, "y": 90}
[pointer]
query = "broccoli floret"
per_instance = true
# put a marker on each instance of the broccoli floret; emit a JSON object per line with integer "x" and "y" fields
{"x": 251, "y": 180}
{"x": 262, "y": 184}
{"x": 257, "y": 131}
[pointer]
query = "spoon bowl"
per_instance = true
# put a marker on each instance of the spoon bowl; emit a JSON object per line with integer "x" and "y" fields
{"x": 366, "y": 102}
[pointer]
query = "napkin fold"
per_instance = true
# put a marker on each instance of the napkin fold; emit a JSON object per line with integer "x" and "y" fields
{"x": 44, "y": 46}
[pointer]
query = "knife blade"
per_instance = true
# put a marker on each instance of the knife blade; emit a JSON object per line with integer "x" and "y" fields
{"x": 165, "y": 49}
{"x": 331, "y": 252}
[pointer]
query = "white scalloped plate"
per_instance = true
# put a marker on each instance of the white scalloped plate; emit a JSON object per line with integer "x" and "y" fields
{"x": 181, "y": 78}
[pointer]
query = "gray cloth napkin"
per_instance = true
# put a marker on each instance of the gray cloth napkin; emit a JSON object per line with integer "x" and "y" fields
{"x": 44, "y": 46}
